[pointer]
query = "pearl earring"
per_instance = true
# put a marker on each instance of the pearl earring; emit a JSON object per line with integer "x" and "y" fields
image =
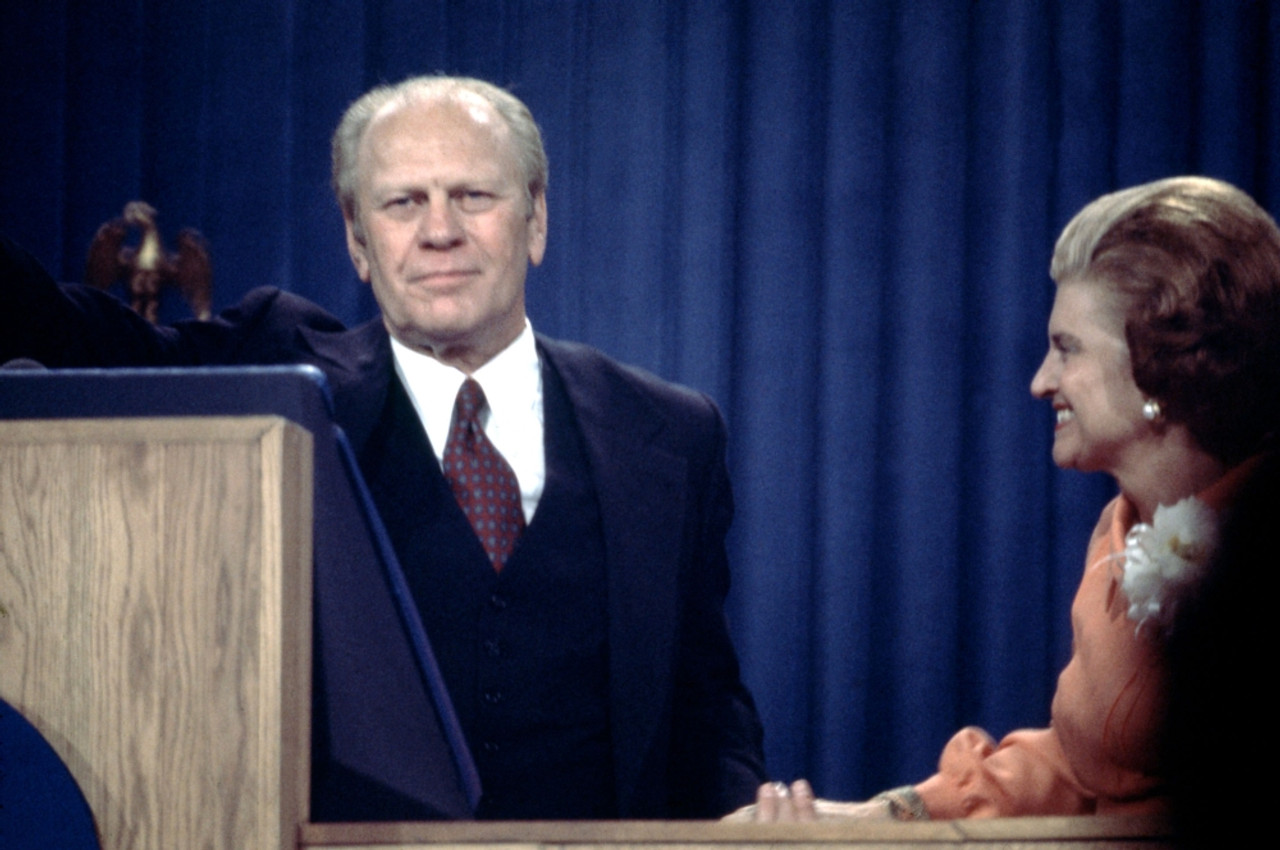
{"x": 1151, "y": 410}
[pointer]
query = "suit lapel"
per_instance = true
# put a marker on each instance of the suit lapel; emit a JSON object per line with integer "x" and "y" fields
{"x": 641, "y": 489}
{"x": 358, "y": 365}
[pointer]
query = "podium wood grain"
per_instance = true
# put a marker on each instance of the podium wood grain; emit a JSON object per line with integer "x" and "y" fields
{"x": 155, "y": 598}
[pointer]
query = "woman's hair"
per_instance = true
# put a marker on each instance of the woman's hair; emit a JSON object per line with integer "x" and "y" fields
{"x": 530, "y": 153}
{"x": 1195, "y": 263}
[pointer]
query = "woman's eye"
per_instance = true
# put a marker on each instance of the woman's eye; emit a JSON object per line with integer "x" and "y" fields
{"x": 1064, "y": 347}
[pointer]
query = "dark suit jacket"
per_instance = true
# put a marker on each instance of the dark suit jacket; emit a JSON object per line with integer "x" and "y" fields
{"x": 686, "y": 738}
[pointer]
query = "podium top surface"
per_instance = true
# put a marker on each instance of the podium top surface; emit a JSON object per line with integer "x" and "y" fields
{"x": 297, "y": 393}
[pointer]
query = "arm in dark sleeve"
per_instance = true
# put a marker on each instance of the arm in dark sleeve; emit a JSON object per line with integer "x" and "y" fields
{"x": 66, "y": 326}
{"x": 717, "y": 759}
{"x": 69, "y": 326}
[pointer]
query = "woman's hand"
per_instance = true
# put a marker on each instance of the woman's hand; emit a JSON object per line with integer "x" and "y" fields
{"x": 778, "y": 802}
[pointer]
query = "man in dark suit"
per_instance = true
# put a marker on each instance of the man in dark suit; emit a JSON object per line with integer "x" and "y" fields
{"x": 574, "y": 600}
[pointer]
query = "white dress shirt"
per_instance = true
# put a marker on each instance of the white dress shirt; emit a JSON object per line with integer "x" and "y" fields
{"x": 512, "y": 419}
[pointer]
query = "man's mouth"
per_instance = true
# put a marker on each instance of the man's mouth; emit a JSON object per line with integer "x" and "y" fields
{"x": 443, "y": 274}
{"x": 1065, "y": 415}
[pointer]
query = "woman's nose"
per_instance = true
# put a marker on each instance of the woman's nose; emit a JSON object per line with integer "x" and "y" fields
{"x": 1045, "y": 381}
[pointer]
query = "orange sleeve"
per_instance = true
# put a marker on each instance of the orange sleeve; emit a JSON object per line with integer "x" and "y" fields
{"x": 1026, "y": 773}
{"x": 1029, "y": 773}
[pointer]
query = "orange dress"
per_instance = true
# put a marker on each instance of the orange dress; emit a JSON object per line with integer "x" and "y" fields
{"x": 1101, "y": 752}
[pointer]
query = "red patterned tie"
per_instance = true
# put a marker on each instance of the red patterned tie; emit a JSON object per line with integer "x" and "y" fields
{"x": 482, "y": 480}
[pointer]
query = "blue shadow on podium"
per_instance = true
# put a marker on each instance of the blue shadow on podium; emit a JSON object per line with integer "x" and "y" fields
{"x": 40, "y": 804}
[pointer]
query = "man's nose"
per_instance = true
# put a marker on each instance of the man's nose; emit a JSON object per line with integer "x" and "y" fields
{"x": 439, "y": 226}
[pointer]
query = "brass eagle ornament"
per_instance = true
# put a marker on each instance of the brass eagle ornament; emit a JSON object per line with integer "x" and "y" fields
{"x": 147, "y": 267}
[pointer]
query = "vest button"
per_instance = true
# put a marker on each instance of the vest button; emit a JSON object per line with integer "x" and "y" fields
{"x": 490, "y": 747}
{"x": 492, "y": 697}
{"x": 498, "y": 601}
{"x": 492, "y": 648}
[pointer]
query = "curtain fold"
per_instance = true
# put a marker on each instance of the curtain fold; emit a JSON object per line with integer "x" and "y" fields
{"x": 834, "y": 217}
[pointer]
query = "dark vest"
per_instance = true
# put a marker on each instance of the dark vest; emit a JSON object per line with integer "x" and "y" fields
{"x": 523, "y": 652}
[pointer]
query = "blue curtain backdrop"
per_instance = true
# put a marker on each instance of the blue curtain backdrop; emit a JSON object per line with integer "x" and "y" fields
{"x": 833, "y": 217}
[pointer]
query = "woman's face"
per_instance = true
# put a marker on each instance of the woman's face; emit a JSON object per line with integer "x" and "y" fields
{"x": 1088, "y": 378}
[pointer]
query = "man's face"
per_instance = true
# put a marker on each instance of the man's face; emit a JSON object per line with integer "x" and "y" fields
{"x": 448, "y": 228}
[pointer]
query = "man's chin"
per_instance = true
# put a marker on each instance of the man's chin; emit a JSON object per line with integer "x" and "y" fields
{"x": 432, "y": 332}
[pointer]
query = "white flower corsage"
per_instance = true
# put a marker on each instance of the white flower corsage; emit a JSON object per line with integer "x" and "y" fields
{"x": 1163, "y": 561}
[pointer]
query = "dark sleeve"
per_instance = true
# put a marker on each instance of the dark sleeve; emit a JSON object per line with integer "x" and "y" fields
{"x": 67, "y": 326}
{"x": 717, "y": 759}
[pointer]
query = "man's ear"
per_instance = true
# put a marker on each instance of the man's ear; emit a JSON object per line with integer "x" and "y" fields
{"x": 538, "y": 229}
{"x": 358, "y": 249}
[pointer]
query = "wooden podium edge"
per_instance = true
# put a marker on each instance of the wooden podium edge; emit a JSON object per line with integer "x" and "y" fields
{"x": 1043, "y": 833}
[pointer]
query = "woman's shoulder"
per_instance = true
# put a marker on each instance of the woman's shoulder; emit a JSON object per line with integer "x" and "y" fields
{"x": 1113, "y": 524}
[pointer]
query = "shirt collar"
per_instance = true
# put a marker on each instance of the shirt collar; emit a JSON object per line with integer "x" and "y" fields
{"x": 511, "y": 380}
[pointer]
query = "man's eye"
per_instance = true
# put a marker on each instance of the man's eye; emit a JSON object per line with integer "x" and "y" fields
{"x": 399, "y": 205}
{"x": 475, "y": 200}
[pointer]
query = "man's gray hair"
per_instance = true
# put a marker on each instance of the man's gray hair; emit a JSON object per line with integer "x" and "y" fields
{"x": 530, "y": 154}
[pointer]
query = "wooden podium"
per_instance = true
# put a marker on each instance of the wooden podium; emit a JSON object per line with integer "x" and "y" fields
{"x": 155, "y": 626}
{"x": 155, "y": 578}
